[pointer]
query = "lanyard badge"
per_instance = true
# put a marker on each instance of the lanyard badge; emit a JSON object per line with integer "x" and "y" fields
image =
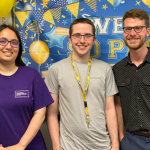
{"x": 87, "y": 119}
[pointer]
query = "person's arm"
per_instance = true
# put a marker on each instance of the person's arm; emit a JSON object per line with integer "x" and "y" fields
{"x": 119, "y": 117}
{"x": 111, "y": 121}
{"x": 52, "y": 122}
{"x": 33, "y": 128}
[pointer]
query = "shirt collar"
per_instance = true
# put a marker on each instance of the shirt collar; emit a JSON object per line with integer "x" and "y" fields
{"x": 147, "y": 58}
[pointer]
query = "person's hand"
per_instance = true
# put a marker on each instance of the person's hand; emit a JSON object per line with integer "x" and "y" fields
{"x": 115, "y": 148}
{"x": 121, "y": 137}
{"x": 14, "y": 147}
{"x": 1, "y": 147}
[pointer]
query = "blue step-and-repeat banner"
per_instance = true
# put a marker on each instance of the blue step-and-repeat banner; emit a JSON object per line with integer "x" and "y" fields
{"x": 44, "y": 28}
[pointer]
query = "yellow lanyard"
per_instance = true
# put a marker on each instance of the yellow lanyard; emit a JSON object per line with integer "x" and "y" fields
{"x": 86, "y": 87}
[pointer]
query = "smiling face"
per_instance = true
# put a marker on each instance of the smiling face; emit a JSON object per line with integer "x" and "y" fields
{"x": 82, "y": 46}
{"x": 135, "y": 40}
{"x": 8, "y": 54}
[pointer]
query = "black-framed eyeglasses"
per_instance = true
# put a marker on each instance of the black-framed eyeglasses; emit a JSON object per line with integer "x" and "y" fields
{"x": 13, "y": 43}
{"x": 137, "y": 29}
{"x": 86, "y": 36}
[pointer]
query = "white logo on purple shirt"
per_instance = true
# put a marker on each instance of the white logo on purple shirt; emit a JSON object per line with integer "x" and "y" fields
{"x": 22, "y": 94}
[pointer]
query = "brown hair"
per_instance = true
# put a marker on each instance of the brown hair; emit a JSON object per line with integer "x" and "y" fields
{"x": 137, "y": 13}
{"x": 81, "y": 20}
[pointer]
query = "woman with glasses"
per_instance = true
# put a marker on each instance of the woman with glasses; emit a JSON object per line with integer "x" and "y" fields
{"x": 23, "y": 97}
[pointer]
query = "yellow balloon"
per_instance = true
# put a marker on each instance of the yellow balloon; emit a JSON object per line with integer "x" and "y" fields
{"x": 5, "y": 7}
{"x": 39, "y": 52}
{"x": 146, "y": 2}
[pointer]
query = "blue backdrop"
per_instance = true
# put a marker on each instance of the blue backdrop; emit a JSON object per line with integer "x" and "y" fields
{"x": 44, "y": 28}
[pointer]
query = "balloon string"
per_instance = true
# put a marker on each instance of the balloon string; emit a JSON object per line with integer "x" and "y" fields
{"x": 39, "y": 67}
{"x": 3, "y": 20}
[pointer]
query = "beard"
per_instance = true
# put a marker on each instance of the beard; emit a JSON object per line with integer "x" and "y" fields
{"x": 135, "y": 46}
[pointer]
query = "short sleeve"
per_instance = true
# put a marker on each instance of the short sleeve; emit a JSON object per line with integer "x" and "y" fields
{"x": 41, "y": 94}
{"x": 51, "y": 80}
{"x": 111, "y": 88}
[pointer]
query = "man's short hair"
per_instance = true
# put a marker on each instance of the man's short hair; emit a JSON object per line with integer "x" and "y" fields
{"x": 81, "y": 20}
{"x": 137, "y": 13}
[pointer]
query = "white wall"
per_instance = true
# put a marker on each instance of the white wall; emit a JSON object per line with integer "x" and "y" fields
{"x": 8, "y": 19}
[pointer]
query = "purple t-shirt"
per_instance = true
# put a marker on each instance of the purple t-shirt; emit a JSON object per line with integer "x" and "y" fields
{"x": 20, "y": 95}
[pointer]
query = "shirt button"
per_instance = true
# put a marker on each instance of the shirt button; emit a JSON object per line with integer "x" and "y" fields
{"x": 139, "y": 112}
{"x": 141, "y": 125}
{"x": 137, "y": 97}
{"x": 147, "y": 140}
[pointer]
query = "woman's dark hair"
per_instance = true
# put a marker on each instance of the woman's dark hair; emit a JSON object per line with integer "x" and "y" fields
{"x": 18, "y": 61}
